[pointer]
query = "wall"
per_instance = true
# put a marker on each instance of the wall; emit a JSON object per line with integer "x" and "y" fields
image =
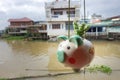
{"x": 55, "y": 32}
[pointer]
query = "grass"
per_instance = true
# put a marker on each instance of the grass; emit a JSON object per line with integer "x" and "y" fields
{"x": 3, "y": 79}
{"x": 15, "y": 38}
{"x": 101, "y": 68}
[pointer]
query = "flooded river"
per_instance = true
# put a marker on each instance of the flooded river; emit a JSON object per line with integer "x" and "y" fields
{"x": 32, "y": 58}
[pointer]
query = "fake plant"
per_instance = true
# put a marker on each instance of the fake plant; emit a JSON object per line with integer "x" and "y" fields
{"x": 80, "y": 29}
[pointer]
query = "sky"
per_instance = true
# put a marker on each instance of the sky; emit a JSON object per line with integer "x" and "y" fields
{"x": 34, "y": 9}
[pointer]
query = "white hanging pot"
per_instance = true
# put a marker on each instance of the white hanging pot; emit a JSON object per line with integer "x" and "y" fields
{"x": 75, "y": 52}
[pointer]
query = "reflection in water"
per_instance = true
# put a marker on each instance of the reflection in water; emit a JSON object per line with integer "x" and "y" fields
{"x": 33, "y": 48}
{"x": 40, "y": 58}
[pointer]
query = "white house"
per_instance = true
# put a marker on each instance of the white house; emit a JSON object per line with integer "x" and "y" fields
{"x": 57, "y": 16}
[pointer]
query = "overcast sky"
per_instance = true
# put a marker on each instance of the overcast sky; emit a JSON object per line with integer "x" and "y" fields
{"x": 35, "y": 10}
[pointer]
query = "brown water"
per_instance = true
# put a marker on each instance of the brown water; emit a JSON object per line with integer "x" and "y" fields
{"x": 31, "y": 58}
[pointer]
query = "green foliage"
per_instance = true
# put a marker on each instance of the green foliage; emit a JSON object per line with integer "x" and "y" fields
{"x": 3, "y": 79}
{"x": 80, "y": 29}
{"x": 101, "y": 68}
{"x": 15, "y": 37}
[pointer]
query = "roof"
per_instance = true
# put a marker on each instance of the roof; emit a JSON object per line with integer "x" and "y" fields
{"x": 107, "y": 23}
{"x": 113, "y": 17}
{"x": 101, "y": 24}
{"x": 25, "y": 19}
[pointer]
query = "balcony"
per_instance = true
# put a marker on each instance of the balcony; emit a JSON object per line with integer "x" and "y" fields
{"x": 23, "y": 31}
{"x": 17, "y": 32}
{"x": 63, "y": 17}
{"x": 42, "y": 31}
{"x": 11, "y": 26}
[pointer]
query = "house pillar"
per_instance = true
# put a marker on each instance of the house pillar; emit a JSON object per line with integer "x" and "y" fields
{"x": 96, "y": 32}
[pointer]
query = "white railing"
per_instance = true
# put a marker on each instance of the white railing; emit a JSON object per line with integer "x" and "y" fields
{"x": 96, "y": 33}
{"x": 17, "y": 26}
{"x": 16, "y": 32}
{"x": 23, "y": 31}
{"x": 91, "y": 33}
{"x": 42, "y": 31}
{"x": 71, "y": 32}
{"x": 62, "y": 17}
{"x": 102, "y": 33}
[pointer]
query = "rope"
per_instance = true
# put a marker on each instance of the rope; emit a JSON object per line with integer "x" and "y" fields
{"x": 69, "y": 19}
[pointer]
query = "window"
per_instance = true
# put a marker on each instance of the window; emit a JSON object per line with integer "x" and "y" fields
{"x": 71, "y": 12}
{"x": 49, "y": 26}
{"x": 55, "y": 26}
{"x": 62, "y": 26}
{"x": 71, "y": 25}
{"x": 58, "y": 12}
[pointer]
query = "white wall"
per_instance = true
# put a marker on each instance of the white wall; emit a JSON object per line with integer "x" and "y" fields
{"x": 56, "y": 32}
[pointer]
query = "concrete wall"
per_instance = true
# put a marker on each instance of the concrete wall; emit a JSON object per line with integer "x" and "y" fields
{"x": 114, "y": 29}
{"x": 55, "y": 32}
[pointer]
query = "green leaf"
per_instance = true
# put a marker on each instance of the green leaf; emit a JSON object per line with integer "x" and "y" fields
{"x": 101, "y": 68}
{"x": 80, "y": 29}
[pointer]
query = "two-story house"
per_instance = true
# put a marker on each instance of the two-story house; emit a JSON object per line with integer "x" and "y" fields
{"x": 57, "y": 16}
{"x": 19, "y": 26}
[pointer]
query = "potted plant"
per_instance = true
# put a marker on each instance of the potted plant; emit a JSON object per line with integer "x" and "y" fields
{"x": 76, "y": 51}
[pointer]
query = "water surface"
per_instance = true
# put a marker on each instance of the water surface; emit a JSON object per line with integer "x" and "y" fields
{"x": 31, "y": 58}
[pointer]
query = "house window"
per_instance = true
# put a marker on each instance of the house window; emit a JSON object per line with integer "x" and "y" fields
{"x": 71, "y": 25}
{"x": 58, "y": 12}
{"x": 55, "y": 26}
{"x": 72, "y": 13}
{"x": 62, "y": 26}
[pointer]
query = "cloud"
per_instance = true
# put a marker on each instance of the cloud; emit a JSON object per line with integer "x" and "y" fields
{"x": 35, "y": 10}
{"x": 107, "y": 8}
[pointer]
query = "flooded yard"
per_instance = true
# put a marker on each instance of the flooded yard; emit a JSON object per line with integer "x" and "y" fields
{"x": 37, "y": 58}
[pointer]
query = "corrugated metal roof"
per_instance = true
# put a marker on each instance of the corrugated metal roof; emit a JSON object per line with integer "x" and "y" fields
{"x": 101, "y": 24}
{"x": 25, "y": 19}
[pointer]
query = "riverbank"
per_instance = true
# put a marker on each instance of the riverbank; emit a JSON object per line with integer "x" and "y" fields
{"x": 55, "y": 75}
{"x": 15, "y": 38}
{"x": 3, "y": 79}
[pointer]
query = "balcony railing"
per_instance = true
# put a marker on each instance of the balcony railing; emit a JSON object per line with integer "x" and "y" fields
{"x": 43, "y": 31}
{"x": 10, "y": 26}
{"x": 20, "y": 31}
{"x": 62, "y": 16}
{"x": 96, "y": 33}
